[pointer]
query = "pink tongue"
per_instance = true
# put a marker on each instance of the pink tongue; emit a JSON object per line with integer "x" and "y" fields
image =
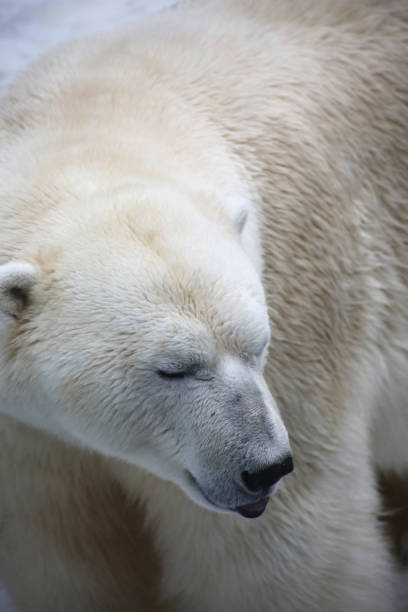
{"x": 253, "y": 510}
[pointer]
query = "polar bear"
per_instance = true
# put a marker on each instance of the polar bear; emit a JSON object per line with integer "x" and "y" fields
{"x": 203, "y": 274}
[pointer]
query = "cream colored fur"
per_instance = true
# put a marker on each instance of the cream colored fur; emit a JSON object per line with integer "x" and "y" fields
{"x": 173, "y": 151}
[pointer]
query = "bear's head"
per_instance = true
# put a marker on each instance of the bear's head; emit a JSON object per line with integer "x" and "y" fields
{"x": 137, "y": 326}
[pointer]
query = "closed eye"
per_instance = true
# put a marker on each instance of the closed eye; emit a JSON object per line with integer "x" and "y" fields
{"x": 173, "y": 375}
{"x": 177, "y": 370}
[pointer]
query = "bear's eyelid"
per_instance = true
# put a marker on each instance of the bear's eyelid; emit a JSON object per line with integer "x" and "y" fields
{"x": 178, "y": 370}
{"x": 175, "y": 374}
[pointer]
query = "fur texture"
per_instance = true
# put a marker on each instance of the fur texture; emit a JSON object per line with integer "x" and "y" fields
{"x": 156, "y": 186}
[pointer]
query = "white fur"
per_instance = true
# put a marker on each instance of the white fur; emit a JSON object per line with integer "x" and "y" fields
{"x": 390, "y": 432}
{"x": 228, "y": 177}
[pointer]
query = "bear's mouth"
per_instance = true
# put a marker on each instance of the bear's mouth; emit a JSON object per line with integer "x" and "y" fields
{"x": 252, "y": 510}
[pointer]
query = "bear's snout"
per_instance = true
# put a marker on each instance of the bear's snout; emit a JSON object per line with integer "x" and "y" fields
{"x": 262, "y": 479}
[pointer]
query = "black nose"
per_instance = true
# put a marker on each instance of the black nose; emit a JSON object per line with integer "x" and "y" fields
{"x": 265, "y": 478}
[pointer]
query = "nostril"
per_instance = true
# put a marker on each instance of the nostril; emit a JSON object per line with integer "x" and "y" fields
{"x": 265, "y": 478}
{"x": 246, "y": 477}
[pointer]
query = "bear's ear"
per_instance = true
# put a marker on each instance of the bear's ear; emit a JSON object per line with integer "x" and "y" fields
{"x": 240, "y": 220}
{"x": 17, "y": 280}
{"x": 238, "y": 210}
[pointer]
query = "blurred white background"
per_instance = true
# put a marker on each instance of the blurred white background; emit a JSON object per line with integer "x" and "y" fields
{"x": 30, "y": 27}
